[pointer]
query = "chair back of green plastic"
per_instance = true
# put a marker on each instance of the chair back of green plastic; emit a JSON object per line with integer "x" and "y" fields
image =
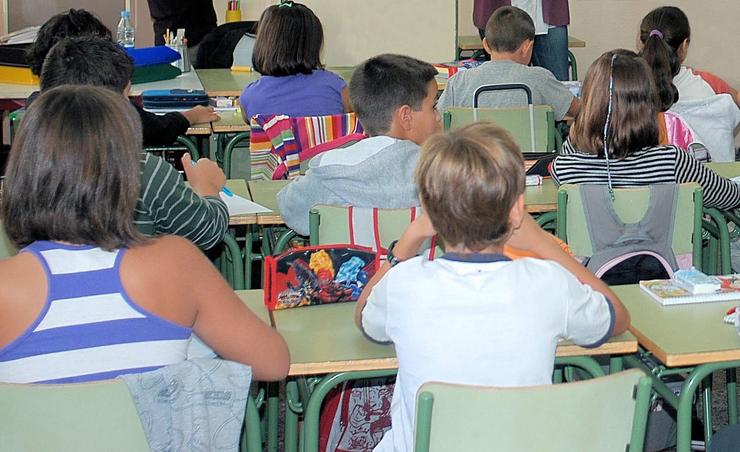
{"x": 371, "y": 227}
{"x": 630, "y": 204}
{"x": 7, "y": 249}
{"x": 81, "y": 417}
{"x": 606, "y": 414}
{"x": 516, "y": 120}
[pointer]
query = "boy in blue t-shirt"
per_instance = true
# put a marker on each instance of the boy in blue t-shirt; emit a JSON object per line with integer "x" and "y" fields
{"x": 474, "y": 316}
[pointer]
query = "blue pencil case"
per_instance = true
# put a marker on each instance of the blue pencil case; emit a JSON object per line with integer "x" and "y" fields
{"x": 174, "y": 98}
{"x": 147, "y": 56}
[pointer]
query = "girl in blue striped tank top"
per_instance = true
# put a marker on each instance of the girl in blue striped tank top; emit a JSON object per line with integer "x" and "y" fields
{"x": 88, "y": 297}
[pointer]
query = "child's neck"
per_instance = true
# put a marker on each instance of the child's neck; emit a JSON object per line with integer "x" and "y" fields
{"x": 508, "y": 56}
{"x": 461, "y": 249}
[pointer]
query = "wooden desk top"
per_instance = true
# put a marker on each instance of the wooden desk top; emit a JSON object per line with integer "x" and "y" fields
{"x": 727, "y": 169}
{"x": 265, "y": 192}
{"x": 239, "y": 187}
{"x": 255, "y": 302}
{"x": 541, "y": 198}
{"x": 473, "y": 42}
{"x": 682, "y": 335}
{"x": 225, "y": 82}
{"x": 324, "y": 339}
{"x": 537, "y": 199}
{"x": 230, "y": 122}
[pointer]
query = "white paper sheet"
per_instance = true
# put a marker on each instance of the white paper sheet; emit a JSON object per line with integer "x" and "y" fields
{"x": 238, "y": 205}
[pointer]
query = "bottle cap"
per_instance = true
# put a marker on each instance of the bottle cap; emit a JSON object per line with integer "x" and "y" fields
{"x": 124, "y": 13}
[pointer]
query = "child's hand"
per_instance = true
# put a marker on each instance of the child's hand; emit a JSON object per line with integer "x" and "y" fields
{"x": 419, "y": 230}
{"x": 205, "y": 176}
{"x": 201, "y": 114}
{"x": 422, "y": 227}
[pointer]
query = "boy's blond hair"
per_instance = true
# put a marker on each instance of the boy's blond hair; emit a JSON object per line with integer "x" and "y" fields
{"x": 468, "y": 181}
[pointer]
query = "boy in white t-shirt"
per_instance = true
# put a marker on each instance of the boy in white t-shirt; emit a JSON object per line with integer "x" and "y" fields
{"x": 473, "y": 316}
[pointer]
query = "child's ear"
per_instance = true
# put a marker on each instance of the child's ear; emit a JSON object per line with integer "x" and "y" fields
{"x": 525, "y": 50}
{"x": 486, "y": 47}
{"x": 516, "y": 214}
{"x": 403, "y": 117}
{"x": 683, "y": 50}
{"x": 127, "y": 90}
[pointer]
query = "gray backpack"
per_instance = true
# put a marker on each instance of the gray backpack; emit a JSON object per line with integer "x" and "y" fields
{"x": 625, "y": 253}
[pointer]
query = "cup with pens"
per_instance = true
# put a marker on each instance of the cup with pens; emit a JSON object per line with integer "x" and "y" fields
{"x": 233, "y": 11}
{"x": 179, "y": 43}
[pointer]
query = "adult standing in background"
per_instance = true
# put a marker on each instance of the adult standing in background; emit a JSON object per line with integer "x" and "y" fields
{"x": 197, "y": 17}
{"x": 551, "y": 19}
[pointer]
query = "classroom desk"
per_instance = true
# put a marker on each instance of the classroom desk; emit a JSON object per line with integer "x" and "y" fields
{"x": 228, "y": 83}
{"x": 680, "y": 336}
{"x": 474, "y": 43}
{"x": 325, "y": 340}
{"x": 265, "y": 192}
{"x": 254, "y": 300}
{"x": 239, "y": 187}
{"x": 230, "y": 122}
{"x": 725, "y": 169}
{"x": 537, "y": 198}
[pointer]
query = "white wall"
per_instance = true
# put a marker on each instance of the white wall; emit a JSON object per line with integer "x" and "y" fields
{"x": 609, "y": 24}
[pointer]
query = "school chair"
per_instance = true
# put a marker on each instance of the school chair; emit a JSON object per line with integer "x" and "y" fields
{"x": 532, "y": 126}
{"x": 85, "y": 417}
{"x": 630, "y": 205}
{"x": 573, "y": 66}
{"x": 608, "y": 414}
{"x": 7, "y": 249}
{"x": 182, "y": 142}
{"x": 279, "y": 145}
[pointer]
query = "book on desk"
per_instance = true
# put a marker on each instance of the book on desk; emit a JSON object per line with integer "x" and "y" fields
{"x": 668, "y": 292}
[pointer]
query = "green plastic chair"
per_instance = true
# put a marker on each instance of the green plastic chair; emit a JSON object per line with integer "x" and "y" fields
{"x": 80, "y": 417}
{"x": 372, "y": 227}
{"x": 516, "y": 120}
{"x": 84, "y": 417}
{"x": 181, "y": 142}
{"x": 7, "y": 248}
{"x": 607, "y": 414}
{"x": 630, "y": 204}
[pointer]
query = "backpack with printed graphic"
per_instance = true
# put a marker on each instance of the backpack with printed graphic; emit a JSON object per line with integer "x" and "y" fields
{"x": 640, "y": 233}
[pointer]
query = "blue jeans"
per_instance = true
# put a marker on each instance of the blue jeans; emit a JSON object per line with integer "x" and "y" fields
{"x": 551, "y": 52}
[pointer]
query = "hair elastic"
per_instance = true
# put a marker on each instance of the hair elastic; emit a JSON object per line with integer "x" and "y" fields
{"x": 286, "y": 4}
{"x": 657, "y": 33}
{"x": 606, "y": 127}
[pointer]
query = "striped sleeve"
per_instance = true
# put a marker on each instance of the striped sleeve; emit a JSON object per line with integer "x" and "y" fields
{"x": 718, "y": 191}
{"x": 167, "y": 206}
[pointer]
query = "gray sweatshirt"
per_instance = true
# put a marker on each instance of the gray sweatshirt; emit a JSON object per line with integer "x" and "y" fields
{"x": 375, "y": 172}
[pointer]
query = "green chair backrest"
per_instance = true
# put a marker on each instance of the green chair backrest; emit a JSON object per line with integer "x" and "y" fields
{"x": 604, "y": 414}
{"x": 516, "y": 120}
{"x": 630, "y": 204}
{"x": 81, "y": 417}
{"x": 358, "y": 226}
{"x": 7, "y": 249}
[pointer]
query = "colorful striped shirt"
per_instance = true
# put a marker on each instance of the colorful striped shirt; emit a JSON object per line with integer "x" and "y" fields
{"x": 655, "y": 165}
{"x": 89, "y": 328}
{"x": 167, "y": 206}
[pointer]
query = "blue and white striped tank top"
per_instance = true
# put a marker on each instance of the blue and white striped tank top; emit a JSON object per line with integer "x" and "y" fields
{"x": 89, "y": 328}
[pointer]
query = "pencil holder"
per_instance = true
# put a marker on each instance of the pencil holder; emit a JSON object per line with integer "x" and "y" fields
{"x": 233, "y": 16}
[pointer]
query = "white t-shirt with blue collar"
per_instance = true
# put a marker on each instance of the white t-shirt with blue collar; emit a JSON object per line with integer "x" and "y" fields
{"x": 478, "y": 319}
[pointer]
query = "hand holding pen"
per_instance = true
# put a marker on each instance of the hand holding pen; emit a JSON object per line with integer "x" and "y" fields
{"x": 205, "y": 177}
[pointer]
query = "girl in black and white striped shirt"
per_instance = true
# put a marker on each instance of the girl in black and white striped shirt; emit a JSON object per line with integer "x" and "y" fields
{"x": 635, "y": 158}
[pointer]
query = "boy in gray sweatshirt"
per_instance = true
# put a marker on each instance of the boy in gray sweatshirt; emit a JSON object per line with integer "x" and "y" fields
{"x": 394, "y": 98}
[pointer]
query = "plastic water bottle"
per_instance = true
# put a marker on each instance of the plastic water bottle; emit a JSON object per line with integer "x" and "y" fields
{"x": 125, "y": 36}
